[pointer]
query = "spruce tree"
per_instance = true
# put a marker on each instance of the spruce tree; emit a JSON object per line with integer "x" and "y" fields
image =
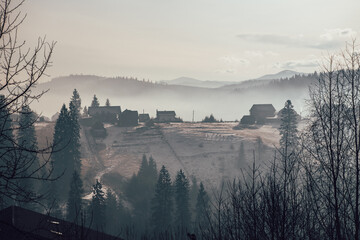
{"x": 66, "y": 156}
{"x": 7, "y": 153}
{"x": 162, "y": 203}
{"x": 76, "y": 100}
{"x": 74, "y": 145}
{"x": 98, "y": 207}
{"x": 111, "y": 213}
{"x": 182, "y": 210}
{"x": 288, "y": 128}
{"x": 26, "y": 139}
{"x": 140, "y": 191}
{"x": 152, "y": 173}
{"x": 202, "y": 208}
{"x": 74, "y": 204}
{"x": 143, "y": 168}
{"x": 95, "y": 102}
{"x": 107, "y": 103}
{"x": 193, "y": 195}
{"x": 85, "y": 112}
{"x": 61, "y": 157}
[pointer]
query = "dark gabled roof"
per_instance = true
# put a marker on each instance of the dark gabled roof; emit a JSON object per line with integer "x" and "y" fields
{"x": 166, "y": 112}
{"x": 262, "y": 107}
{"x": 19, "y": 223}
{"x": 127, "y": 111}
{"x": 109, "y": 109}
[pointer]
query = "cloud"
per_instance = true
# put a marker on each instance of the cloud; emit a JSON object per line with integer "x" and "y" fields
{"x": 227, "y": 71}
{"x": 260, "y": 54}
{"x": 331, "y": 34}
{"x": 270, "y": 38}
{"x": 293, "y": 64}
{"x": 271, "y": 53}
{"x": 230, "y": 60}
{"x": 254, "y": 53}
{"x": 329, "y": 39}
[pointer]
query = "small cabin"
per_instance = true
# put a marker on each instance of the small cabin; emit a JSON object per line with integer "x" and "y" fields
{"x": 166, "y": 116}
{"x": 128, "y": 118}
{"x": 105, "y": 113}
{"x": 262, "y": 111}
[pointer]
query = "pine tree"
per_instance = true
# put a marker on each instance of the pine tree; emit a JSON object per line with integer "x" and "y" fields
{"x": 74, "y": 145}
{"x": 143, "y": 169}
{"x": 7, "y": 154}
{"x": 76, "y": 100}
{"x": 85, "y": 112}
{"x": 202, "y": 208}
{"x": 288, "y": 179}
{"x": 140, "y": 191}
{"x": 152, "y": 173}
{"x": 95, "y": 102}
{"x": 74, "y": 204}
{"x": 194, "y": 190}
{"x": 66, "y": 156}
{"x": 111, "y": 213}
{"x": 61, "y": 157}
{"x": 98, "y": 207}
{"x": 288, "y": 128}
{"x": 162, "y": 202}
{"x": 26, "y": 139}
{"x": 182, "y": 211}
{"x": 107, "y": 103}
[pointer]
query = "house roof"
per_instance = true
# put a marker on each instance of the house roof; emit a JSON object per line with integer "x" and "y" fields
{"x": 20, "y": 223}
{"x": 130, "y": 111}
{"x": 262, "y": 107}
{"x": 165, "y": 112}
{"x": 109, "y": 109}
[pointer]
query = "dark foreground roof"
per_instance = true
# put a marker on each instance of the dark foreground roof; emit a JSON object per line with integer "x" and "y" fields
{"x": 17, "y": 223}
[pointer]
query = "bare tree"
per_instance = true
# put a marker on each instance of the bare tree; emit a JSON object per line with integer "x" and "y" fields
{"x": 20, "y": 70}
{"x": 332, "y": 146}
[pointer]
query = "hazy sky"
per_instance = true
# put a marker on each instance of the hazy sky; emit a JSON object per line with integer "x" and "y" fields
{"x": 204, "y": 39}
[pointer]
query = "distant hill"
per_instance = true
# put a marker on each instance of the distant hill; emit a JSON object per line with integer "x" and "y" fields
{"x": 192, "y": 82}
{"x": 229, "y": 102}
{"x": 279, "y": 75}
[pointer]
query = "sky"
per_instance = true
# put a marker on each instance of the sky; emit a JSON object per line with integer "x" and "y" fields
{"x": 228, "y": 40}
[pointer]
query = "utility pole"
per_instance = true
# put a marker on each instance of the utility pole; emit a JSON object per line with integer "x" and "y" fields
{"x": 193, "y": 115}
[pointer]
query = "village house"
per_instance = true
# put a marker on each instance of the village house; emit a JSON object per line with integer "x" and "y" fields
{"x": 128, "y": 118}
{"x": 261, "y": 112}
{"x": 166, "y": 116}
{"x": 105, "y": 113}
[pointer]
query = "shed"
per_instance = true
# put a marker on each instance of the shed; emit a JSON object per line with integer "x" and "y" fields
{"x": 144, "y": 117}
